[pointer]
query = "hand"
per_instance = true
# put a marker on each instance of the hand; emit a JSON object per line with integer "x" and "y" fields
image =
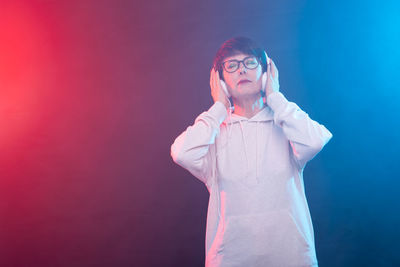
{"x": 272, "y": 84}
{"x": 216, "y": 90}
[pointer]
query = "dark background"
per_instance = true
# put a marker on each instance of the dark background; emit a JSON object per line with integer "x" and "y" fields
{"x": 93, "y": 94}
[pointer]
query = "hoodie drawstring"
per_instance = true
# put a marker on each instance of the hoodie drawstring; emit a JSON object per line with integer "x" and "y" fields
{"x": 245, "y": 149}
{"x": 229, "y": 125}
{"x": 257, "y": 152}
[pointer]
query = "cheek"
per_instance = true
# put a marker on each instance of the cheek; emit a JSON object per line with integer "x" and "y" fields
{"x": 256, "y": 77}
{"x": 257, "y": 73}
{"x": 229, "y": 80}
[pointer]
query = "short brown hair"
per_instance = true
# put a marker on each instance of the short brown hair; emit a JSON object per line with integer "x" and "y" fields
{"x": 239, "y": 45}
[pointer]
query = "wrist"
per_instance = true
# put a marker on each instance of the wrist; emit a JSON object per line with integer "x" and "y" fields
{"x": 225, "y": 103}
{"x": 271, "y": 92}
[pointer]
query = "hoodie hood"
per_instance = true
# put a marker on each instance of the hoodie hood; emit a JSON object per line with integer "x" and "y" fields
{"x": 265, "y": 114}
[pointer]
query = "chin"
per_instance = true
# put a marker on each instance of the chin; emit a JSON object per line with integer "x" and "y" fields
{"x": 255, "y": 95}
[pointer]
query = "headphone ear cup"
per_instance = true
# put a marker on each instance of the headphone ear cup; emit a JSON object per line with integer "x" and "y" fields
{"x": 223, "y": 85}
{"x": 264, "y": 82}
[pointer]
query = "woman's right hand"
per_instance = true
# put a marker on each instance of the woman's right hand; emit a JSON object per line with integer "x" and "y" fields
{"x": 216, "y": 89}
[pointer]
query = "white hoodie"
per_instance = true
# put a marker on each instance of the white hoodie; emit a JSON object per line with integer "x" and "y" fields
{"x": 253, "y": 169}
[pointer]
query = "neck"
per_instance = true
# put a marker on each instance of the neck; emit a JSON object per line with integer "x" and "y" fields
{"x": 248, "y": 107}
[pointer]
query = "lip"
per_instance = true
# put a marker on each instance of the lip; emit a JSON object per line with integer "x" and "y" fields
{"x": 244, "y": 81}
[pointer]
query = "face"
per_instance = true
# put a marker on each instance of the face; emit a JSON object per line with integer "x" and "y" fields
{"x": 243, "y": 82}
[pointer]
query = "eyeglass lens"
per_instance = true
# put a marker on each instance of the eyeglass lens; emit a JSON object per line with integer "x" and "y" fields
{"x": 233, "y": 65}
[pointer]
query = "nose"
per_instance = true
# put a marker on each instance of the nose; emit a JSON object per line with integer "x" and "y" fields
{"x": 242, "y": 68}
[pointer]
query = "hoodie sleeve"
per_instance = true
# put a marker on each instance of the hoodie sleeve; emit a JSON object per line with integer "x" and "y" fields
{"x": 192, "y": 149}
{"x": 306, "y": 136}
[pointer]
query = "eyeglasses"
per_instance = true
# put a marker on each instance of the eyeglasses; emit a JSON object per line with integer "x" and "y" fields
{"x": 232, "y": 65}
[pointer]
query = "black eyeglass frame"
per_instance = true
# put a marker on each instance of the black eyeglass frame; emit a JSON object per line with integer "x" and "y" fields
{"x": 240, "y": 61}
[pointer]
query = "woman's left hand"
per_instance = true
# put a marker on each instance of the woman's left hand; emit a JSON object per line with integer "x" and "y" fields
{"x": 272, "y": 84}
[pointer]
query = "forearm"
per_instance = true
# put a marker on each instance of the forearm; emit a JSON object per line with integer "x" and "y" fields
{"x": 307, "y": 137}
{"x": 190, "y": 149}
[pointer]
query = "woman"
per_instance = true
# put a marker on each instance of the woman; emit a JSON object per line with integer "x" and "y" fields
{"x": 251, "y": 158}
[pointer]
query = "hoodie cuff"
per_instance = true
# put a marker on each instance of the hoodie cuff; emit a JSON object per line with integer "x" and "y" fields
{"x": 277, "y": 101}
{"x": 218, "y": 111}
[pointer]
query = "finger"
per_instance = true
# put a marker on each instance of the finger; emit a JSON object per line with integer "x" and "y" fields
{"x": 215, "y": 80}
{"x": 269, "y": 71}
{"x": 267, "y": 58}
{"x": 272, "y": 66}
{"x": 212, "y": 83}
{"x": 211, "y": 78}
{"x": 218, "y": 80}
{"x": 274, "y": 69}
